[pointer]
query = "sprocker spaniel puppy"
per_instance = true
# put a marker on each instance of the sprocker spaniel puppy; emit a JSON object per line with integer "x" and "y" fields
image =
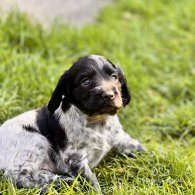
{"x": 73, "y": 132}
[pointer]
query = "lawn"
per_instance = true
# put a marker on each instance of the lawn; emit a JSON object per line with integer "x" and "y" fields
{"x": 154, "y": 42}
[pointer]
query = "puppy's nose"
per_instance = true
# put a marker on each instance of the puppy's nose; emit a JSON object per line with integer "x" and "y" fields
{"x": 108, "y": 95}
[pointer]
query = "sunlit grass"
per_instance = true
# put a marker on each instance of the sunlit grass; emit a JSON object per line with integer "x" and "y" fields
{"x": 155, "y": 44}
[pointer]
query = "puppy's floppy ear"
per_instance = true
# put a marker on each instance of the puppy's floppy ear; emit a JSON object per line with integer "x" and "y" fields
{"x": 126, "y": 97}
{"x": 60, "y": 91}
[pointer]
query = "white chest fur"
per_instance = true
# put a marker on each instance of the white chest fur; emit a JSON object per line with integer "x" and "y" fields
{"x": 98, "y": 143}
{"x": 94, "y": 139}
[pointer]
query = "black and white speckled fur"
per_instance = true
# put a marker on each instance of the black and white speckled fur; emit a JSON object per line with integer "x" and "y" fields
{"x": 44, "y": 145}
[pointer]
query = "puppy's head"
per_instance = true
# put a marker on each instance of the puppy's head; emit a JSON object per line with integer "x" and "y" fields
{"x": 93, "y": 84}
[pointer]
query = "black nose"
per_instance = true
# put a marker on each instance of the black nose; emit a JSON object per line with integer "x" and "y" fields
{"x": 108, "y": 95}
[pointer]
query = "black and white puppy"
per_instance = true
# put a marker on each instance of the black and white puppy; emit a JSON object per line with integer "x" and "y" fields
{"x": 72, "y": 134}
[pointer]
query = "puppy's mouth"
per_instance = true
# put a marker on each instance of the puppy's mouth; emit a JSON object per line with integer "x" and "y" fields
{"x": 116, "y": 103}
{"x": 96, "y": 105}
{"x": 108, "y": 106}
{"x": 111, "y": 107}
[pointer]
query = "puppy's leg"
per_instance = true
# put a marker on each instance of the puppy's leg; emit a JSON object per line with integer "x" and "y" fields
{"x": 77, "y": 163}
{"x": 124, "y": 144}
{"x": 87, "y": 174}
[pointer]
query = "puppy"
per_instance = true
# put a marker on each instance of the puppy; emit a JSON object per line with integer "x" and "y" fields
{"x": 73, "y": 132}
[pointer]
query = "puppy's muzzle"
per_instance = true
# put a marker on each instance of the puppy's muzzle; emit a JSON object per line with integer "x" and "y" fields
{"x": 110, "y": 94}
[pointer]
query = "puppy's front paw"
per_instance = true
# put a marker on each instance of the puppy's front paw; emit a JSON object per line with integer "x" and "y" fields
{"x": 135, "y": 149}
{"x": 132, "y": 148}
{"x": 136, "y": 146}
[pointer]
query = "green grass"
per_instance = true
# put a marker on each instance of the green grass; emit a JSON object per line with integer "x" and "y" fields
{"x": 154, "y": 41}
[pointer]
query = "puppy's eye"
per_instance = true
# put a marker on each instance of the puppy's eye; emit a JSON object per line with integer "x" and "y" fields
{"x": 86, "y": 81}
{"x": 114, "y": 76}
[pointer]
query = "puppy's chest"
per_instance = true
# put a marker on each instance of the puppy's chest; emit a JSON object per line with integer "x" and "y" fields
{"x": 99, "y": 144}
{"x": 96, "y": 142}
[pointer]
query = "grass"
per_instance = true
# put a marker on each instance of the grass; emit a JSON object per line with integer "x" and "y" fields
{"x": 155, "y": 44}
